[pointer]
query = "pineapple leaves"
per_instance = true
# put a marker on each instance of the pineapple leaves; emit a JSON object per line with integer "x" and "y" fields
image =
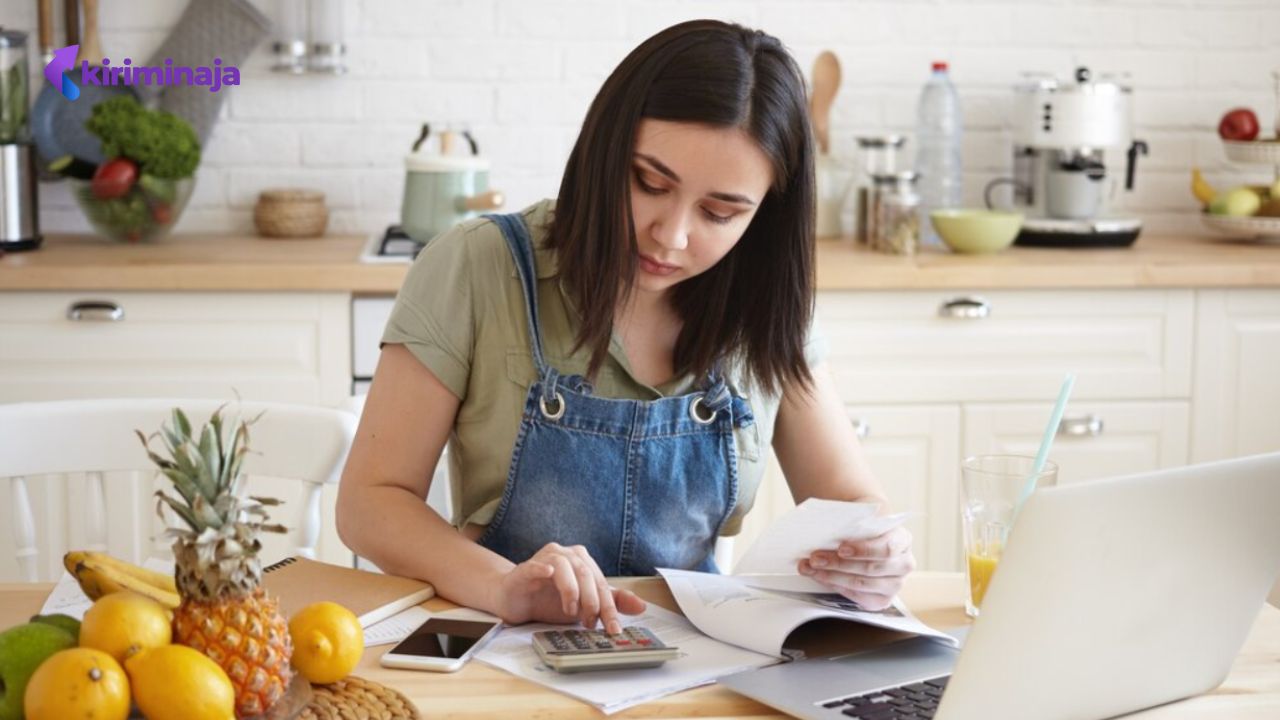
{"x": 182, "y": 510}
{"x": 205, "y": 471}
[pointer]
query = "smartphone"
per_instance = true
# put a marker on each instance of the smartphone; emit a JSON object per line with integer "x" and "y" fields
{"x": 441, "y": 645}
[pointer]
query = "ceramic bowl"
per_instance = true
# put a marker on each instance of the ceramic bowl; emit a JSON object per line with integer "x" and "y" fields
{"x": 976, "y": 231}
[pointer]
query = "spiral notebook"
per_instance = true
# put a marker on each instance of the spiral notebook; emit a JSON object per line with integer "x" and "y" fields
{"x": 298, "y": 582}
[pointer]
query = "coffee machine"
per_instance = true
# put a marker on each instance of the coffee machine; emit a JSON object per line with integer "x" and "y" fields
{"x": 19, "y": 223}
{"x": 1062, "y": 134}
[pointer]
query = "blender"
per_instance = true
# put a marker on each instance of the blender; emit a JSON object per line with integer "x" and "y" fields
{"x": 19, "y": 224}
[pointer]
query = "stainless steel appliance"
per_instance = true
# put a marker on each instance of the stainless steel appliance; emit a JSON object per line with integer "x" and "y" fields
{"x": 19, "y": 193}
{"x": 1063, "y": 132}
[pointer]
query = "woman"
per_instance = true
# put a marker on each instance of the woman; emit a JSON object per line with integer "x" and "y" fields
{"x": 606, "y": 368}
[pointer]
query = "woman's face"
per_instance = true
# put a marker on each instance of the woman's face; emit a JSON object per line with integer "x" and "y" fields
{"x": 694, "y": 191}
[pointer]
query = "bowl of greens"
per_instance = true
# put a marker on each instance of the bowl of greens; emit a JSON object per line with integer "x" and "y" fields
{"x": 138, "y": 193}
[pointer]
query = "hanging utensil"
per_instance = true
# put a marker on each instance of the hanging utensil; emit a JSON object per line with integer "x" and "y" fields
{"x": 58, "y": 124}
{"x": 826, "y": 81}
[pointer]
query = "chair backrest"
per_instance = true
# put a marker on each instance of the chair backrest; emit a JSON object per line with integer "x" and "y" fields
{"x": 94, "y": 437}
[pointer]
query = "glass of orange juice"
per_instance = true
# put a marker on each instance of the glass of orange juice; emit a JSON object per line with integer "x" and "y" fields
{"x": 991, "y": 485}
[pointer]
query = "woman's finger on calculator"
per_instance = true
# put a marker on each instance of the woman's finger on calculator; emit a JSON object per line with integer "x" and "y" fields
{"x": 605, "y": 610}
{"x": 585, "y": 572}
{"x": 566, "y": 582}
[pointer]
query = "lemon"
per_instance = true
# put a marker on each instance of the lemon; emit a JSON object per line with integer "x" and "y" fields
{"x": 175, "y": 682}
{"x": 123, "y": 623}
{"x": 79, "y": 683}
{"x": 327, "y": 642}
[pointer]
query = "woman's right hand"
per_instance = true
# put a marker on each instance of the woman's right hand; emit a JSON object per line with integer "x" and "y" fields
{"x": 561, "y": 585}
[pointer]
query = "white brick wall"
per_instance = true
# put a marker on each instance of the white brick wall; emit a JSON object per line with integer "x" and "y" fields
{"x": 520, "y": 74}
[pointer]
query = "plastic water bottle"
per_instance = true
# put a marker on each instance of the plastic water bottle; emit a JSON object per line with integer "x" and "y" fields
{"x": 939, "y": 130}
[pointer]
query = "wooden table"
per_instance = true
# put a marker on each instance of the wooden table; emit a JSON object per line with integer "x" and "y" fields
{"x": 1251, "y": 691}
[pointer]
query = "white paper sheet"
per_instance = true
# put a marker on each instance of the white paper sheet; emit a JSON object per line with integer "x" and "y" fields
{"x": 68, "y": 599}
{"x": 728, "y": 609}
{"x": 395, "y": 628}
{"x": 702, "y": 662}
{"x": 814, "y": 524}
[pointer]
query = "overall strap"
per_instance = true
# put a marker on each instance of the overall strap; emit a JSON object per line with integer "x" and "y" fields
{"x": 521, "y": 246}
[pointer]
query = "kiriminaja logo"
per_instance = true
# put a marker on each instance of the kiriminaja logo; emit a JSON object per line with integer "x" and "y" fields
{"x": 58, "y": 72}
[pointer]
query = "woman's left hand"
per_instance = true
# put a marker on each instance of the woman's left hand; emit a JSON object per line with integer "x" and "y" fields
{"x": 868, "y": 572}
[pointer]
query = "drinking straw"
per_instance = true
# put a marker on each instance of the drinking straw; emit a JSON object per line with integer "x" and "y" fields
{"x": 1046, "y": 442}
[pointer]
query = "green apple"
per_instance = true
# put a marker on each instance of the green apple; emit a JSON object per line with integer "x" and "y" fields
{"x": 66, "y": 622}
{"x": 1241, "y": 202}
{"x": 1219, "y": 205}
{"x": 22, "y": 649}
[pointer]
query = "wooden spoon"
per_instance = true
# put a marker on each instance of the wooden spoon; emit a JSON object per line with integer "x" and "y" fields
{"x": 826, "y": 81}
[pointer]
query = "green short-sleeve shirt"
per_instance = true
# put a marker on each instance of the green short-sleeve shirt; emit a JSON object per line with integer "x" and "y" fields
{"x": 461, "y": 313}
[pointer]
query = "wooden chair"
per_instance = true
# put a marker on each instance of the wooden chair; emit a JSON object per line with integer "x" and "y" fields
{"x": 95, "y": 438}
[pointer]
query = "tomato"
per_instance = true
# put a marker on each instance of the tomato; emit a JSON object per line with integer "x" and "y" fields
{"x": 114, "y": 178}
{"x": 162, "y": 213}
{"x": 1238, "y": 124}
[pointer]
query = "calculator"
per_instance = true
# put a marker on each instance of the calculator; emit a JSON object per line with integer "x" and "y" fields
{"x": 570, "y": 651}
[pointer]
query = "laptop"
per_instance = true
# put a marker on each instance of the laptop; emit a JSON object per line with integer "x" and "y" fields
{"x": 1112, "y": 596}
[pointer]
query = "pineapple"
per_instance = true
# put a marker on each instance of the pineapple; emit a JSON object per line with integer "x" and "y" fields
{"x": 224, "y": 613}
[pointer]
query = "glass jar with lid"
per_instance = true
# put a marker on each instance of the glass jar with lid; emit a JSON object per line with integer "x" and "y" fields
{"x": 879, "y": 156}
{"x": 893, "y": 219}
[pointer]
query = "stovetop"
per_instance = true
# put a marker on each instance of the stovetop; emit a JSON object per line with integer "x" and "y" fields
{"x": 393, "y": 245}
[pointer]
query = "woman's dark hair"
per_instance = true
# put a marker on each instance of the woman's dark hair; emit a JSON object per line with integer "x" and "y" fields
{"x": 757, "y": 302}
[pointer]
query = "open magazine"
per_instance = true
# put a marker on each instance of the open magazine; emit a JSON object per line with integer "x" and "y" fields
{"x": 767, "y": 599}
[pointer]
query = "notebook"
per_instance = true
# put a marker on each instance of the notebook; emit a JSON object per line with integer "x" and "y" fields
{"x": 298, "y": 582}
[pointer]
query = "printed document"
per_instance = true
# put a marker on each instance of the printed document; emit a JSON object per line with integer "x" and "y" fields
{"x": 701, "y": 662}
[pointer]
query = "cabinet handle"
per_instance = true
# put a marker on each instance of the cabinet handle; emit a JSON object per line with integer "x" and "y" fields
{"x": 860, "y": 428}
{"x": 965, "y": 308}
{"x": 96, "y": 310}
{"x": 1087, "y": 426}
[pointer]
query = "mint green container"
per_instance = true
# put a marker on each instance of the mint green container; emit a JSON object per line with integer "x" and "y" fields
{"x": 441, "y": 191}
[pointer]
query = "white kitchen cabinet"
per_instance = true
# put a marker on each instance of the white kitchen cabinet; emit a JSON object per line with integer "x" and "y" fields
{"x": 1237, "y": 374}
{"x": 281, "y": 347}
{"x": 935, "y": 346}
{"x": 1095, "y": 439}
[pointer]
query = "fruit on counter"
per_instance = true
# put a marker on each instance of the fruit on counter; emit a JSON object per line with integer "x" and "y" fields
{"x": 66, "y": 622}
{"x": 1237, "y": 202}
{"x": 100, "y": 574}
{"x": 114, "y": 178}
{"x": 22, "y": 650}
{"x": 1274, "y": 192}
{"x": 175, "y": 682}
{"x": 1201, "y": 188}
{"x": 327, "y": 642}
{"x": 124, "y": 623}
{"x": 80, "y": 683}
{"x": 1238, "y": 124}
{"x": 225, "y": 612}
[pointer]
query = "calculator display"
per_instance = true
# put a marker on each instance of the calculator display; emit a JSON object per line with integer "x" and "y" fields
{"x": 443, "y": 638}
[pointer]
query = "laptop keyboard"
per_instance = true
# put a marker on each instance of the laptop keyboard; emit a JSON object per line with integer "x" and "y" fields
{"x": 917, "y": 700}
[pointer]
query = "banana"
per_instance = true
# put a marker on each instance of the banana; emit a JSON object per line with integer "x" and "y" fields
{"x": 100, "y": 574}
{"x": 1201, "y": 188}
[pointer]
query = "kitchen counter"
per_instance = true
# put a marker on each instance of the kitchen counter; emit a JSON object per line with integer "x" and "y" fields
{"x": 246, "y": 263}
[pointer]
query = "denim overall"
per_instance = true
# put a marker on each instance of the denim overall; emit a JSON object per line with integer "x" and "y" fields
{"x": 641, "y": 484}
